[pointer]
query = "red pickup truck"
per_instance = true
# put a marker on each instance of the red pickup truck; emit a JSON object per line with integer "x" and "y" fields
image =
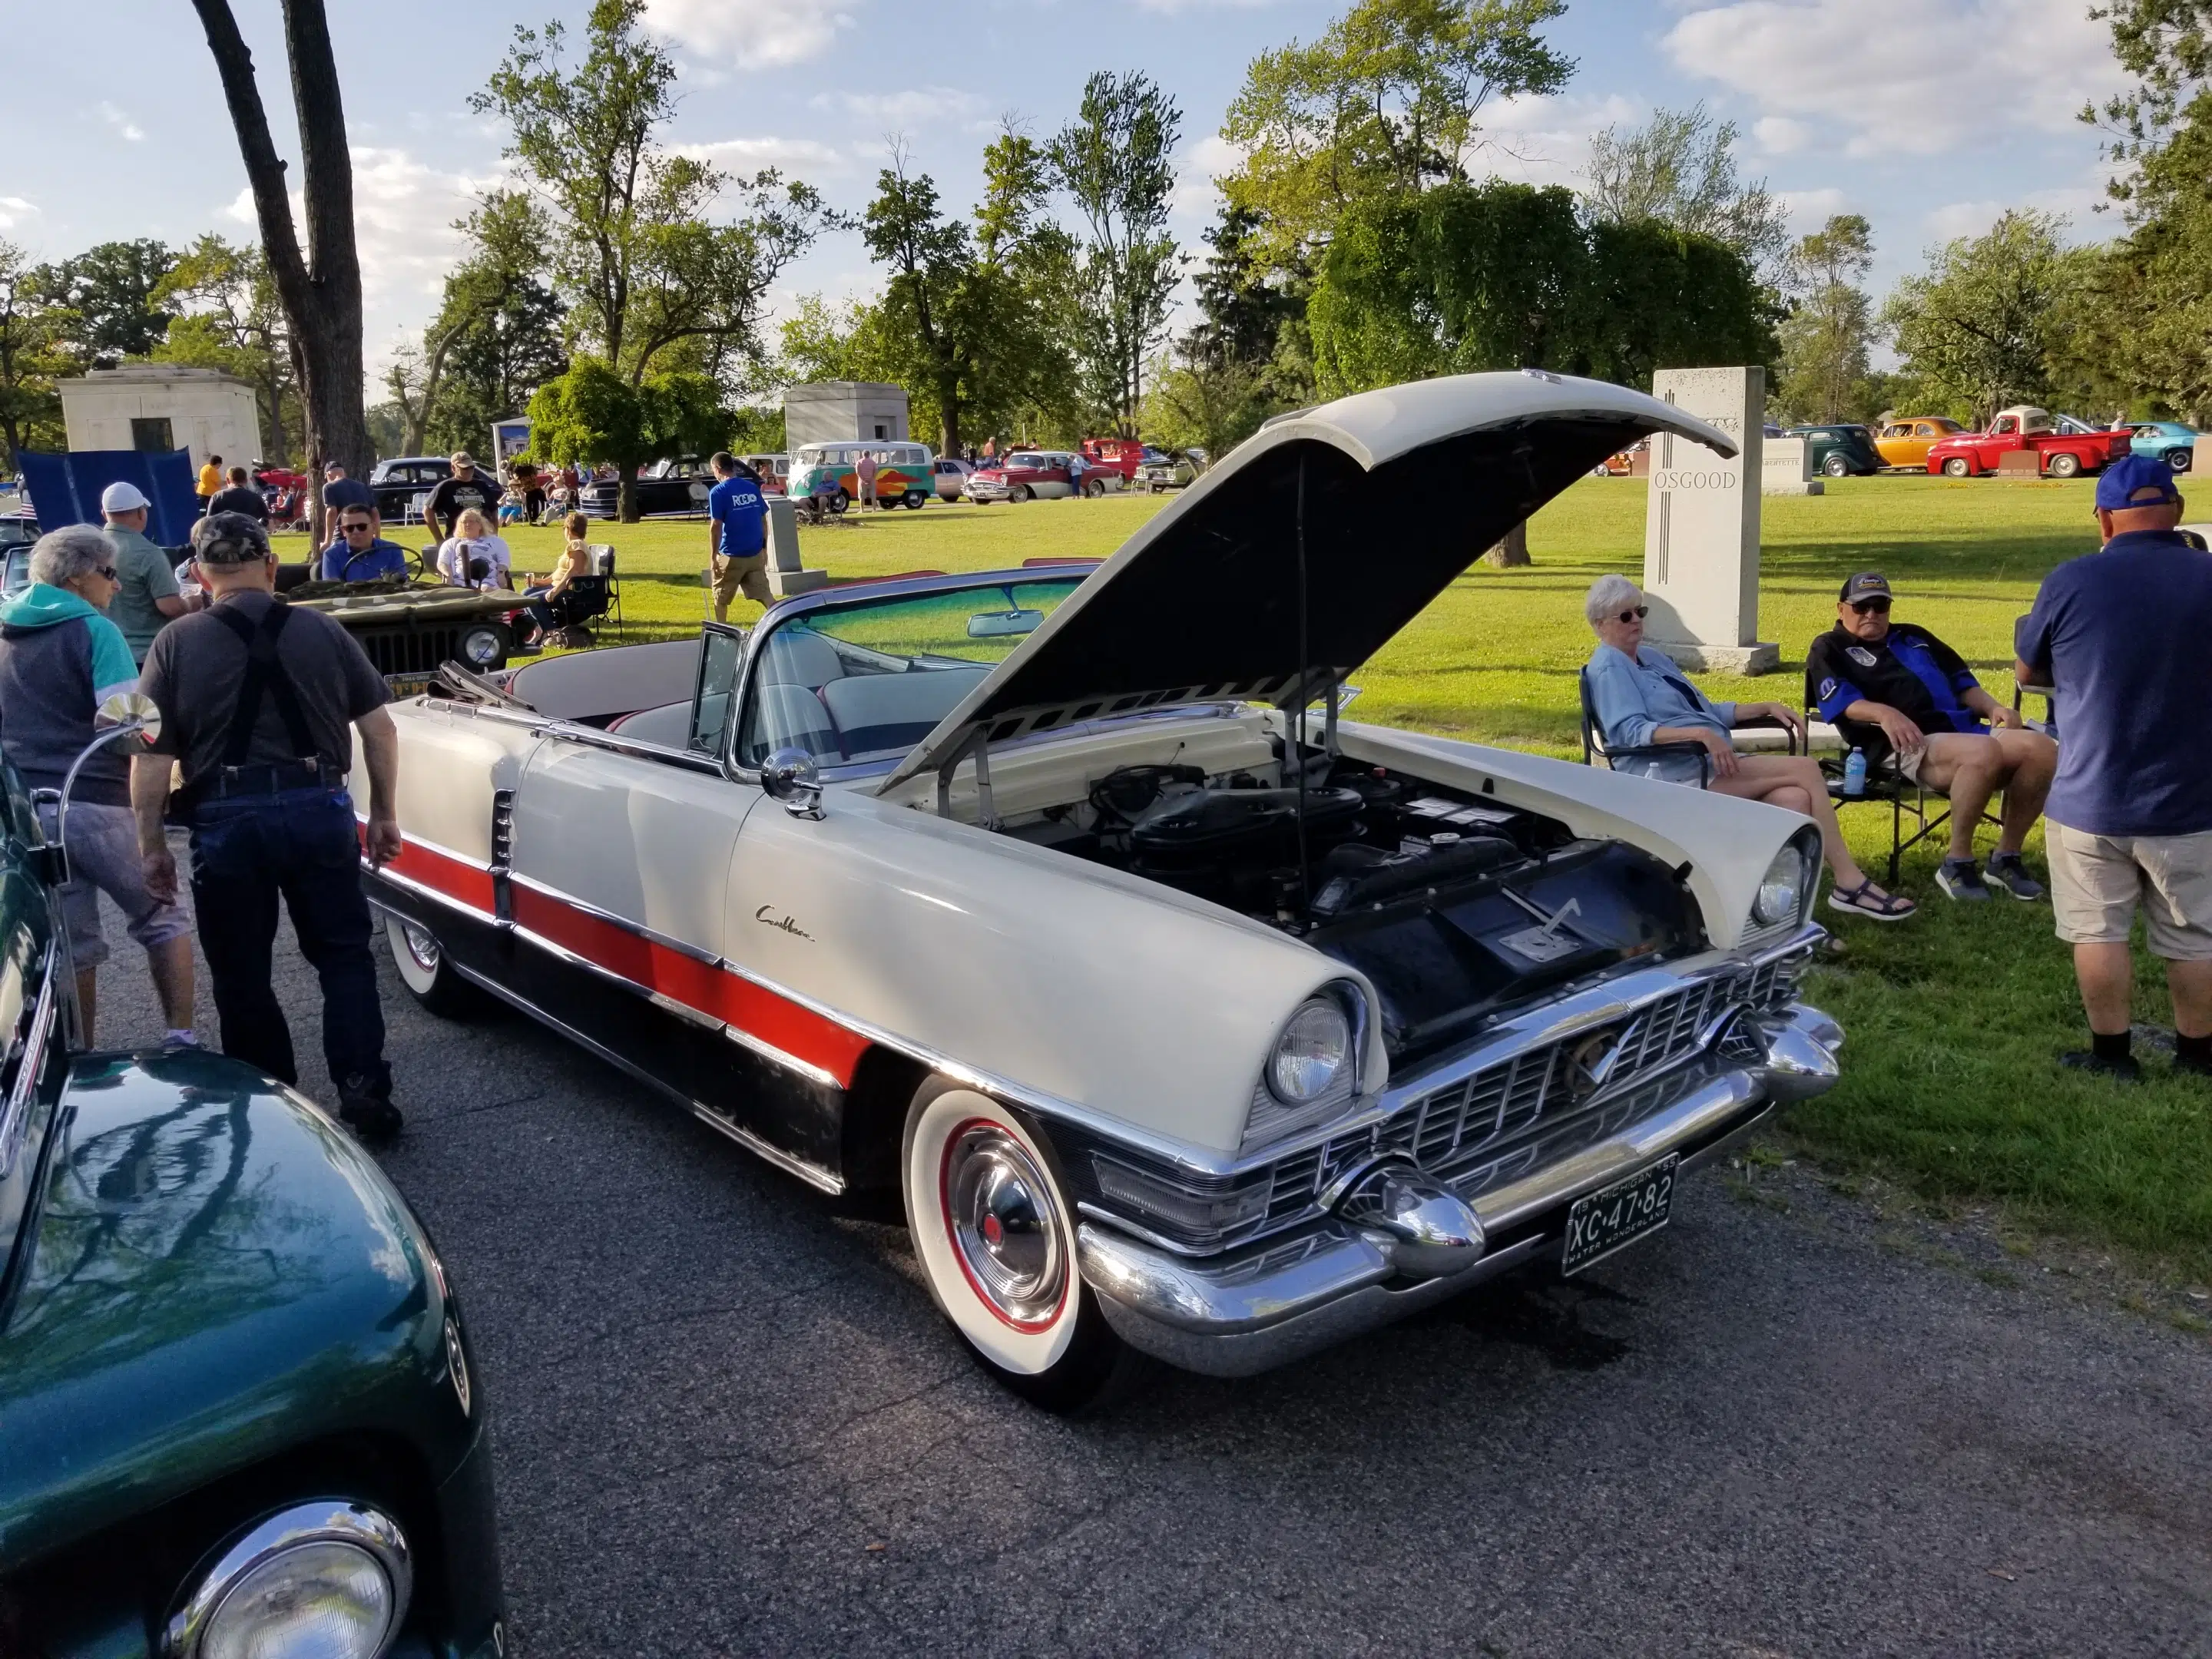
{"x": 2065, "y": 448}
{"x": 1123, "y": 455}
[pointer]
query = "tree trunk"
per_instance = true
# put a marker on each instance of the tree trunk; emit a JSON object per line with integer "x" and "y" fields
{"x": 1512, "y": 552}
{"x": 626, "y": 492}
{"x": 321, "y": 292}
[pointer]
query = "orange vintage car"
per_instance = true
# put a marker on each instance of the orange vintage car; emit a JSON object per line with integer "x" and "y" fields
{"x": 1906, "y": 441}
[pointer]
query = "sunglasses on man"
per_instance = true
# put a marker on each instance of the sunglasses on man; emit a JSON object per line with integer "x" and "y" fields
{"x": 356, "y": 529}
{"x": 1879, "y": 607}
{"x": 1637, "y": 615}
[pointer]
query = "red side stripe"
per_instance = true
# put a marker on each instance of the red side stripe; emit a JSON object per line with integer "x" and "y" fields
{"x": 775, "y": 1020}
{"x": 455, "y": 877}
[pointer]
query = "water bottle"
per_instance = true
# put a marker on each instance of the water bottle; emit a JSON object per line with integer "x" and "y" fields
{"x": 1854, "y": 774}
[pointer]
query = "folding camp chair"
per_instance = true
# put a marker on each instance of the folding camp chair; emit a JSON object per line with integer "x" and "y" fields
{"x": 1905, "y": 798}
{"x": 1595, "y": 747}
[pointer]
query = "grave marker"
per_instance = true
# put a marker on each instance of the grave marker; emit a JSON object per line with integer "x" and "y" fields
{"x": 1701, "y": 526}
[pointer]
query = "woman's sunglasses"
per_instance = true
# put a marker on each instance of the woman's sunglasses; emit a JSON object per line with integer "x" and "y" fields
{"x": 1880, "y": 606}
{"x": 1637, "y": 614}
{"x": 108, "y": 571}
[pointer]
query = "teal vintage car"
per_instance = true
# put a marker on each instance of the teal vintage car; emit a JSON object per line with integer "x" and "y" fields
{"x": 2164, "y": 440}
{"x": 238, "y": 1410}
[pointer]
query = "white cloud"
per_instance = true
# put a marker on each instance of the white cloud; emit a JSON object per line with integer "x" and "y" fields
{"x": 130, "y": 129}
{"x": 1210, "y": 158}
{"x": 1808, "y": 209}
{"x": 809, "y": 158}
{"x": 894, "y": 112}
{"x": 1546, "y": 140}
{"x": 2076, "y": 203}
{"x": 1202, "y": 5}
{"x": 1778, "y": 135}
{"x": 1903, "y": 76}
{"x": 749, "y": 33}
{"x": 14, "y": 209}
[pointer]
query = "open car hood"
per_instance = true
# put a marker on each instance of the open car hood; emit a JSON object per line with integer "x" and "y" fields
{"x": 1403, "y": 489}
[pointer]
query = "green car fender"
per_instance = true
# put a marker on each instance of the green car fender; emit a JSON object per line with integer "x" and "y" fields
{"x": 222, "y": 1304}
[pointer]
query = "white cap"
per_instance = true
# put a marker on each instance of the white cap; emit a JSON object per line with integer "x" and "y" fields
{"x": 121, "y": 497}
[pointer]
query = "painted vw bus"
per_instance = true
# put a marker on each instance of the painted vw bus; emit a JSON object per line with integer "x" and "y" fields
{"x": 830, "y": 473}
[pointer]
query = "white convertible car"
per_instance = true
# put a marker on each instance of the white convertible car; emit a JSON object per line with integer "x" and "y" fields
{"x": 1188, "y": 1019}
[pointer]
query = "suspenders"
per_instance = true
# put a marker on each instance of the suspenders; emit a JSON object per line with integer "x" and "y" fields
{"x": 264, "y": 678}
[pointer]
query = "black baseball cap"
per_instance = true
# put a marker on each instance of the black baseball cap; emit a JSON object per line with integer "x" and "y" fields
{"x": 228, "y": 538}
{"x": 1867, "y": 585}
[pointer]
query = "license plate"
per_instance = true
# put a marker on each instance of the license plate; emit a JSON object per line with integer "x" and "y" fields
{"x": 409, "y": 685}
{"x": 1616, "y": 1216}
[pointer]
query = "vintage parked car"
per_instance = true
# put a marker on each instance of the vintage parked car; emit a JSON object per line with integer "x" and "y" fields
{"x": 1186, "y": 1018}
{"x": 241, "y": 1413}
{"x": 952, "y": 473}
{"x": 662, "y": 488}
{"x": 773, "y": 470}
{"x": 2063, "y": 451}
{"x": 1838, "y": 450}
{"x": 829, "y": 473}
{"x": 1125, "y": 456}
{"x": 402, "y": 485}
{"x": 1169, "y": 469}
{"x": 1905, "y": 440}
{"x": 2165, "y": 441}
{"x": 1028, "y": 475}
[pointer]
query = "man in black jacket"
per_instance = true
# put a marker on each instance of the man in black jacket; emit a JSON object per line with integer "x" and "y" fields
{"x": 1900, "y": 693}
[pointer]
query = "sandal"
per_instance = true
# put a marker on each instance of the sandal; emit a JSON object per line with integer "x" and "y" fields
{"x": 1864, "y": 899}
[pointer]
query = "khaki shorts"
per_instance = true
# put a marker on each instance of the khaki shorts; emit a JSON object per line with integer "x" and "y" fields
{"x": 103, "y": 858}
{"x": 748, "y": 573}
{"x": 2096, "y": 882}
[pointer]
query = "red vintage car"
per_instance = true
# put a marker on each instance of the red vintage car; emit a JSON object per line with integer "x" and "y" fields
{"x": 1031, "y": 474}
{"x": 2064, "y": 448}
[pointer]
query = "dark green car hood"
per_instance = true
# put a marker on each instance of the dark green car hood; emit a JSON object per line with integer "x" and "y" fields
{"x": 217, "y": 1273}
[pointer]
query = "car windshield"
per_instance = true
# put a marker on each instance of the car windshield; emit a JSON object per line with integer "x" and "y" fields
{"x": 871, "y": 679}
{"x": 1025, "y": 460}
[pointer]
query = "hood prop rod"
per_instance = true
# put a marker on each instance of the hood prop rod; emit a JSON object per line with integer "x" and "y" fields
{"x": 1305, "y": 694}
{"x": 977, "y": 743}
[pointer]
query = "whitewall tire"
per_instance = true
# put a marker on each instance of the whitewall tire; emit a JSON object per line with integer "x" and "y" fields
{"x": 996, "y": 1239}
{"x": 423, "y": 970}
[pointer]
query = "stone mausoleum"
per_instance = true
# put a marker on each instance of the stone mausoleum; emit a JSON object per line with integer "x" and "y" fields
{"x": 843, "y": 411}
{"x": 161, "y": 407}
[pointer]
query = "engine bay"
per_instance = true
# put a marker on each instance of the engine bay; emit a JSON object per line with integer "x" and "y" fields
{"x": 1455, "y": 906}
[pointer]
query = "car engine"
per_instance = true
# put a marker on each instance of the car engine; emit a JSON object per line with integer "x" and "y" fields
{"x": 1454, "y": 907}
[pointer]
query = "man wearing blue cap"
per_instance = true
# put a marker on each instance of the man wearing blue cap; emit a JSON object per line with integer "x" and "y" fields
{"x": 2126, "y": 637}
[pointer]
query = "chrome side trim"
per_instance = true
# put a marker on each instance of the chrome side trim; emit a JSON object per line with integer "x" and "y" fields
{"x": 31, "y": 1063}
{"x": 408, "y": 884}
{"x": 649, "y": 935}
{"x": 769, "y": 1051}
{"x": 813, "y": 1174}
{"x": 591, "y": 737}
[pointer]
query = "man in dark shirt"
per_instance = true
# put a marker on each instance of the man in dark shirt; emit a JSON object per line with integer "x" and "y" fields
{"x": 239, "y": 497}
{"x": 2122, "y": 634}
{"x": 340, "y": 492}
{"x": 454, "y": 495}
{"x": 256, "y": 701}
{"x": 1896, "y": 690}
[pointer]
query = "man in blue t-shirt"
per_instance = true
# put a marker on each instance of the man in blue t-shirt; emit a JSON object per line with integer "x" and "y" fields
{"x": 737, "y": 535}
{"x": 2121, "y": 634}
{"x": 1909, "y": 701}
{"x": 359, "y": 554}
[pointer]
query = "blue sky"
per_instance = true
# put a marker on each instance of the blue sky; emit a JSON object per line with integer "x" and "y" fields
{"x": 1928, "y": 116}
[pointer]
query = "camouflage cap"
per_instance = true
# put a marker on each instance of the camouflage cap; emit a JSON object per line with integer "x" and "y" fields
{"x": 228, "y": 538}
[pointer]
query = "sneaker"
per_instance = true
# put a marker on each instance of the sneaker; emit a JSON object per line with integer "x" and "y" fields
{"x": 2010, "y": 874}
{"x": 2127, "y": 1070}
{"x": 175, "y": 1042}
{"x": 2183, "y": 1065}
{"x": 370, "y": 1115}
{"x": 1961, "y": 880}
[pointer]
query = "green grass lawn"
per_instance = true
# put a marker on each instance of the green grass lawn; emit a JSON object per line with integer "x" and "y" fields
{"x": 1950, "y": 1081}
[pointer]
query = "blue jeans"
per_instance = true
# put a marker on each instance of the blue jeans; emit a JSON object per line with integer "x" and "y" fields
{"x": 302, "y": 844}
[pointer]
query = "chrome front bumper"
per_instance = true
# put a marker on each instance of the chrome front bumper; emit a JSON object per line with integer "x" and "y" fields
{"x": 1398, "y": 1241}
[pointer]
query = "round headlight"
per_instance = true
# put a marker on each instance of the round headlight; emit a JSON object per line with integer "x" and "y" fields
{"x": 328, "y": 1578}
{"x": 1312, "y": 1049}
{"x": 1780, "y": 890}
{"x": 481, "y": 646}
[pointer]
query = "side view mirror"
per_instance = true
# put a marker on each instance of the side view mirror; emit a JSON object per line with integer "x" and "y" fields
{"x": 790, "y": 776}
{"x": 134, "y": 709}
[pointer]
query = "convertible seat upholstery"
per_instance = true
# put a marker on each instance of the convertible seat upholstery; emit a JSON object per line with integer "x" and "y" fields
{"x": 800, "y": 656}
{"x": 876, "y": 712}
{"x": 593, "y": 686}
{"x": 669, "y": 725}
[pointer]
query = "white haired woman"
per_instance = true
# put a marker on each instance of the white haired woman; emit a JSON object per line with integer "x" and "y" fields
{"x": 60, "y": 659}
{"x": 1641, "y": 698}
{"x": 473, "y": 556}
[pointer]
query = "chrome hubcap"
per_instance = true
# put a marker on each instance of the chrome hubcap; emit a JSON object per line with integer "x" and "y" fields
{"x": 1004, "y": 1224}
{"x": 421, "y": 946}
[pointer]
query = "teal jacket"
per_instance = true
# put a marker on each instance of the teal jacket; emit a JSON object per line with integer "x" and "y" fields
{"x": 59, "y": 660}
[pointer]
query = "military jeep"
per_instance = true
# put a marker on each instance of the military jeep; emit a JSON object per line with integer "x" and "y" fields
{"x": 409, "y": 628}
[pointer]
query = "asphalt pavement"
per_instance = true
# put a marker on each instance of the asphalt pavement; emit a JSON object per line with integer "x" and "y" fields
{"x": 727, "y": 1421}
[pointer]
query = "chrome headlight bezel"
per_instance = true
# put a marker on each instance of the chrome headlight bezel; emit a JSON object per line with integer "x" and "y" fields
{"x": 1276, "y": 1111}
{"x": 1784, "y": 892}
{"x": 295, "y": 1533}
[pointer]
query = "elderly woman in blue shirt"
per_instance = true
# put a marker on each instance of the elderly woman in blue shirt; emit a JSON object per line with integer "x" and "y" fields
{"x": 1641, "y": 698}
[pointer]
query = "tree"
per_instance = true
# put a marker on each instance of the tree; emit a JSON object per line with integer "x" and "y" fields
{"x": 321, "y": 291}
{"x": 30, "y": 359}
{"x": 113, "y": 294}
{"x": 1386, "y": 101}
{"x": 649, "y": 281}
{"x": 497, "y": 287}
{"x": 1027, "y": 285}
{"x": 595, "y": 413}
{"x": 2166, "y": 45}
{"x": 1826, "y": 338}
{"x": 1680, "y": 169}
{"x": 225, "y": 315}
{"x": 1116, "y": 160}
{"x": 1988, "y": 321}
{"x": 931, "y": 301}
